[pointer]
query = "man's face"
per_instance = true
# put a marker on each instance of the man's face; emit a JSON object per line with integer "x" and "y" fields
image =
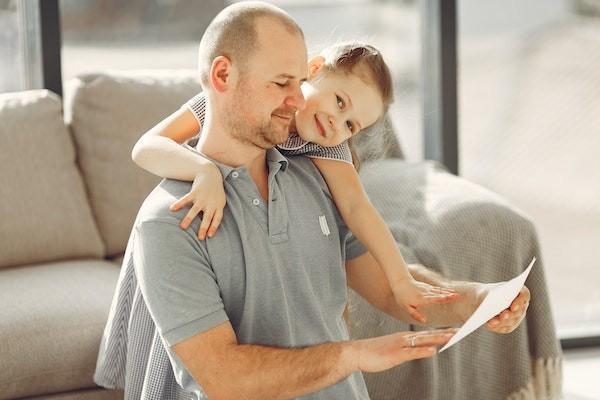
{"x": 268, "y": 92}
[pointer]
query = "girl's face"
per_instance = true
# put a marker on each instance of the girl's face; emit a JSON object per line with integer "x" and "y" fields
{"x": 337, "y": 106}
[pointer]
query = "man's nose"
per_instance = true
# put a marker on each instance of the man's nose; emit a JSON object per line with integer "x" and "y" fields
{"x": 295, "y": 99}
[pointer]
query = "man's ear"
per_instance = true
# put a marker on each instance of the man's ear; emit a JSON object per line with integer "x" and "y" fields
{"x": 223, "y": 74}
{"x": 315, "y": 65}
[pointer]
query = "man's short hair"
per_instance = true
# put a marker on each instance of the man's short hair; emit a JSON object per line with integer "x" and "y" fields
{"x": 232, "y": 33}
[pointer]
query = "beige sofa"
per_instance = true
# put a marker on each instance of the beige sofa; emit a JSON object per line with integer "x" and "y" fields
{"x": 69, "y": 193}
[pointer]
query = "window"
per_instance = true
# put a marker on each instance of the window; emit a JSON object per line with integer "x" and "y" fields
{"x": 101, "y": 35}
{"x": 529, "y": 116}
{"x": 19, "y": 46}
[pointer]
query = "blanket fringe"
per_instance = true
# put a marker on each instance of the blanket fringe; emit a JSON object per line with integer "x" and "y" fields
{"x": 545, "y": 383}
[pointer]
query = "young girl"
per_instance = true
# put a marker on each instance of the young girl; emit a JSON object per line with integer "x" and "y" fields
{"x": 349, "y": 88}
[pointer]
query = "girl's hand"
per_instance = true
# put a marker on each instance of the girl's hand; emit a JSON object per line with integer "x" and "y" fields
{"x": 410, "y": 294}
{"x": 207, "y": 196}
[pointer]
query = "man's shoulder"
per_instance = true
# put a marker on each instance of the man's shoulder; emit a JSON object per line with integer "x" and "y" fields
{"x": 156, "y": 205}
{"x": 303, "y": 168}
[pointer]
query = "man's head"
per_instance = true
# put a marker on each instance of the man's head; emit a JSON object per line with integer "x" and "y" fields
{"x": 252, "y": 61}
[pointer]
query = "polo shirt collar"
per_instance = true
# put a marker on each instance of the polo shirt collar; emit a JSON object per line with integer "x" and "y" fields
{"x": 276, "y": 161}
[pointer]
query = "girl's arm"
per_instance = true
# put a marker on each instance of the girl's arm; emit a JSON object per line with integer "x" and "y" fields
{"x": 160, "y": 152}
{"x": 367, "y": 225}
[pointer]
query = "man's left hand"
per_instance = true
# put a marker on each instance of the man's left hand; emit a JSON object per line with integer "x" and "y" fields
{"x": 509, "y": 319}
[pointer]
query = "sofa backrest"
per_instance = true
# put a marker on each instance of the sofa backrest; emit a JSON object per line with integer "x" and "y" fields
{"x": 44, "y": 211}
{"x": 107, "y": 114}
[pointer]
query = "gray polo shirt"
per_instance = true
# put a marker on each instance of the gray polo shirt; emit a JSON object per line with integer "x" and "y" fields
{"x": 275, "y": 271}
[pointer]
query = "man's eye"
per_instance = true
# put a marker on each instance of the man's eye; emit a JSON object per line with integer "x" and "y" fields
{"x": 340, "y": 102}
{"x": 281, "y": 84}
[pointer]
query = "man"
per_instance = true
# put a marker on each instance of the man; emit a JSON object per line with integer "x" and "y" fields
{"x": 255, "y": 312}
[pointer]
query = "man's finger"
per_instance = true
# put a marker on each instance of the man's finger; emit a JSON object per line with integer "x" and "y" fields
{"x": 408, "y": 354}
{"x": 519, "y": 302}
{"x": 430, "y": 332}
{"x": 427, "y": 339}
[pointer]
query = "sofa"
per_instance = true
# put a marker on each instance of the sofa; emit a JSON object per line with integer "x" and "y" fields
{"x": 69, "y": 193}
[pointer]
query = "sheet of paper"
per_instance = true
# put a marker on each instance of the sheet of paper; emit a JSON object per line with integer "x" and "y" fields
{"x": 498, "y": 299}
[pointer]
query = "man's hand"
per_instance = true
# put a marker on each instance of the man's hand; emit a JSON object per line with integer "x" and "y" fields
{"x": 368, "y": 280}
{"x": 384, "y": 352}
{"x": 509, "y": 319}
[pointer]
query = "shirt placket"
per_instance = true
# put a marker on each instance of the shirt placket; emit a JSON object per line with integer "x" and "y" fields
{"x": 277, "y": 213}
{"x": 247, "y": 190}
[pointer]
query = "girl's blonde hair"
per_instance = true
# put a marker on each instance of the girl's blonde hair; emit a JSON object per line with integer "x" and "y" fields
{"x": 367, "y": 62}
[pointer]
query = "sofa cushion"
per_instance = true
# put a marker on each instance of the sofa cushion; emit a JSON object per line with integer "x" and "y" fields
{"x": 53, "y": 316}
{"x": 107, "y": 114}
{"x": 45, "y": 214}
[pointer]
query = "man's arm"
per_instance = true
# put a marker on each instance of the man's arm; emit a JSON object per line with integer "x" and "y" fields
{"x": 368, "y": 280}
{"x": 228, "y": 370}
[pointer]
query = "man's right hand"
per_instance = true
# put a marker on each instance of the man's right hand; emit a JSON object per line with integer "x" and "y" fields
{"x": 384, "y": 352}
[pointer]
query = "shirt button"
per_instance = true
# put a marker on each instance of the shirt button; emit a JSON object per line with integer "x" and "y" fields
{"x": 256, "y": 202}
{"x": 235, "y": 174}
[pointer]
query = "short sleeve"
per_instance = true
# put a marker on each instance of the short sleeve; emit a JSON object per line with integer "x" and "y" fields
{"x": 177, "y": 281}
{"x": 354, "y": 247}
{"x": 197, "y": 105}
{"x": 295, "y": 146}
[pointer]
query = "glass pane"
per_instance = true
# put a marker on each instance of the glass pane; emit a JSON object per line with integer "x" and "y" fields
{"x": 10, "y": 51}
{"x": 107, "y": 34}
{"x": 529, "y": 84}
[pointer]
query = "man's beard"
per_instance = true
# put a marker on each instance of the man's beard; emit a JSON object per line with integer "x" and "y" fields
{"x": 266, "y": 136}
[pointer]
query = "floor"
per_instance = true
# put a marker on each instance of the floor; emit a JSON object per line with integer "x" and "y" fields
{"x": 581, "y": 374}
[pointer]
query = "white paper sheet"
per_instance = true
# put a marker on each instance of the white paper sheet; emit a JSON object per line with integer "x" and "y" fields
{"x": 498, "y": 299}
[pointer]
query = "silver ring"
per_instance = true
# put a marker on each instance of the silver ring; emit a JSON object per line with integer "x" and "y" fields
{"x": 412, "y": 341}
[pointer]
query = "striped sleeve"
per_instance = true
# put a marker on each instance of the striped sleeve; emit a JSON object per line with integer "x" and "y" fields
{"x": 197, "y": 105}
{"x": 295, "y": 146}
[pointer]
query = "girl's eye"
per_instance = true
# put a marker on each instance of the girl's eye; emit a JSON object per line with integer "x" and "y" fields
{"x": 340, "y": 102}
{"x": 349, "y": 125}
{"x": 281, "y": 84}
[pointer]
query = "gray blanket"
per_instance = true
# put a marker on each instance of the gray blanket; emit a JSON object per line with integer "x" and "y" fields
{"x": 466, "y": 233}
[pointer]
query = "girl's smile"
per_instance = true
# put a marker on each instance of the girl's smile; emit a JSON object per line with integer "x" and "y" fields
{"x": 337, "y": 106}
{"x": 320, "y": 127}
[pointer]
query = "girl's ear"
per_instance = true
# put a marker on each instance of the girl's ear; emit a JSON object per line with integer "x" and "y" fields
{"x": 314, "y": 66}
{"x": 223, "y": 75}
